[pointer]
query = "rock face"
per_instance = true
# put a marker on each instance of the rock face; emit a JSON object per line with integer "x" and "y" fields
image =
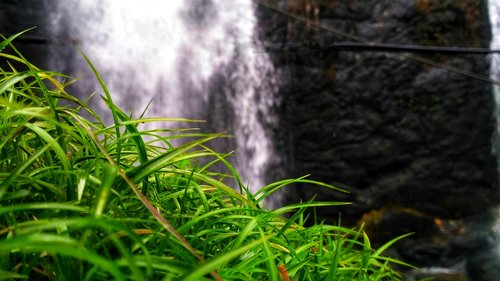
{"x": 34, "y": 46}
{"x": 411, "y": 140}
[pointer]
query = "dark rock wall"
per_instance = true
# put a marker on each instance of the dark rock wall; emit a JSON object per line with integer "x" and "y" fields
{"x": 17, "y": 16}
{"x": 412, "y": 142}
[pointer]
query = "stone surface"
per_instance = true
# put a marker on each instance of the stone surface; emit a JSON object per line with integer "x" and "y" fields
{"x": 399, "y": 134}
{"x": 12, "y": 22}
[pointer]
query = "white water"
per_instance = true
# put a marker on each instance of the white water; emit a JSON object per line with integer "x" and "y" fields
{"x": 494, "y": 13}
{"x": 169, "y": 52}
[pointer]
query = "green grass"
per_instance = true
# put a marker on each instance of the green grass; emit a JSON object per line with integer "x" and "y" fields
{"x": 82, "y": 200}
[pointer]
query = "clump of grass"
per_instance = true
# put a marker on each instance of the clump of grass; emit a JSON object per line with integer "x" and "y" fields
{"x": 80, "y": 200}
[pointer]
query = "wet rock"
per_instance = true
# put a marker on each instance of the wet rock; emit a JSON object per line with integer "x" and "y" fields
{"x": 35, "y": 44}
{"x": 394, "y": 130}
{"x": 483, "y": 267}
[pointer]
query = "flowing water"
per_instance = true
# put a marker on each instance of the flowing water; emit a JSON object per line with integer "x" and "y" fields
{"x": 193, "y": 59}
{"x": 494, "y": 13}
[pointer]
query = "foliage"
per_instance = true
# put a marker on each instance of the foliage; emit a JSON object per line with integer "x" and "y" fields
{"x": 81, "y": 200}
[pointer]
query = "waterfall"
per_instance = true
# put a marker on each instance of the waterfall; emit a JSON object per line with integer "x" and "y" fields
{"x": 494, "y": 13}
{"x": 189, "y": 58}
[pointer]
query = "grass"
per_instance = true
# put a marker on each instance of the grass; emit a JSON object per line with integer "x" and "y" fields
{"x": 82, "y": 200}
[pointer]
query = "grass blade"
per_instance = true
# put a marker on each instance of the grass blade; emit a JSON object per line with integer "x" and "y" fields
{"x": 214, "y": 263}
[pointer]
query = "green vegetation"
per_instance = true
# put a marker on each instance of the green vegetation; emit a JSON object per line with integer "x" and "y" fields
{"x": 80, "y": 200}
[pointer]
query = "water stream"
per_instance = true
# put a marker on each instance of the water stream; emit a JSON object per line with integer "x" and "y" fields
{"x": 494, "y": 13}
{"x": 192, "y": 59}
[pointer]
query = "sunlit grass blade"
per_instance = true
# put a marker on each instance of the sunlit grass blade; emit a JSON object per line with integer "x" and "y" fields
{"x": 291, "y": 207}
{"x": 8, "y": 41}
{"x": 69, "y": 206}
{"x": 269, "y": 258}
{"x": 165, "y": 160}
{"x": 13, "y": 80}
{"x": 109, "y": 175}
{"x": 271, "y": 188}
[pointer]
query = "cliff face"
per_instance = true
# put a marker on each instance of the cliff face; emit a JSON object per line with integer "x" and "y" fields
{"x": 17, "y": 16}
{"x": 411, "y": 141}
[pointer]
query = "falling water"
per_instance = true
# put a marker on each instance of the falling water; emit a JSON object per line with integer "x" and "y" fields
{"x": 186, "y": 57}
{"x": 494, "y": 13}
